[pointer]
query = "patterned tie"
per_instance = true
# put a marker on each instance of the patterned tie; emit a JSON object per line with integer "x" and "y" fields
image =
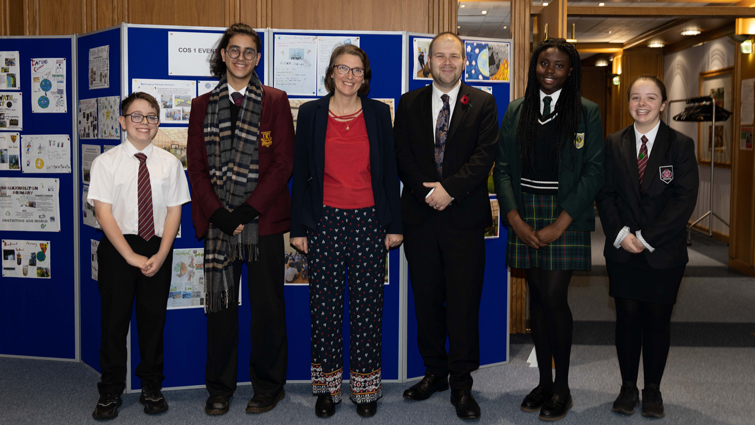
{"x": 237, "y": 98}
{"x": 642, "y": 158}
{"x": 441, "y": 132}
{"x": 547, "y": 105}
{"x": 144, "y": 192}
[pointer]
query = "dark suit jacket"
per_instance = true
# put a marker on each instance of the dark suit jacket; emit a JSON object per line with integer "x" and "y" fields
{"x": 470, "y": 146}
{"x": 577, "y": 184}
{"x": 309, "y": 165}
{"x": 271, "y": 198}
{"x": 659, "y": 208}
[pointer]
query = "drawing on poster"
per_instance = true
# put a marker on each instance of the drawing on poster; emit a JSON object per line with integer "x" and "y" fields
{"x": 48, "y": 85}
{"x": 88, "y": 118}
{"x": 26, "y": 259}
{"x": 94, "y": 244}
{"x": 29, "y": 204}
{"x": 9, "y": 71}
{"x": 325, "y": 47}
{"x": 421, "y": 58}
{"x": 486, "y": 89}
{"x": 107, "y": 123}
{"x": 48, "y": 153}
{"x": 87, "y": 210}
{"x": 173, "y": 96}
{"x": 11, "y": 111}
{"x": 173, "y": 140}
{"x": 10, "y": 152}
{"x": 205, "y": 86}
{"x": 88, "y": 154}
{"x": 187, "y": 279}
{"x": 295, "y": 105}
{"x": 295, "y": 64}
{"x": 99, "y": 67}
{"x": 487, "y": 61}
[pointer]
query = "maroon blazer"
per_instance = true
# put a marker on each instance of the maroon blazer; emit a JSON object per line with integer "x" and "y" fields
{"x": 271, "y": 197}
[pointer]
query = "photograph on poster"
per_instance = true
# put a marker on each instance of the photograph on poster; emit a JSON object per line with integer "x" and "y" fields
{"x": 47, "y": 153}
{"x": 48, "y": 85}
{"x": 421, "y": 56}
{"x": 10, "y": 152}
{"x": 745, "y": 138}
{"x": 9, "y": 71}
{"x": 107, "y": 123}
{"x": 492, "y": 232}
{"x": 88, "y": 119}
{"x": 174, "y": 97}
{"x": 487, "y": 61}
{"x": 95, "y": 267}
{"x": 88, "y": 154}
{"x": 295, "y": 105}
{"x": 296, "y": 64}
{"x": 173, "y": 140}
{"x": 87, "y": 210}
{"x": 325, "y": 47}
{"x": 29, "y": 204}
{"x": 26, "y": 259}
{"x": 11, "y": 111}
{"x": 99, "y": 67}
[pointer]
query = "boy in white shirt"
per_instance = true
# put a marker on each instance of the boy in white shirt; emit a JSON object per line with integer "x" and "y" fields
{"x": 137, "y": 191}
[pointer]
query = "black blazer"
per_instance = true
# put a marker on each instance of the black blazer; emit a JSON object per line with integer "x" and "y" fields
{"x": 660, "y": 208}
{"x": 468, "y": 158}
{"x": 309, "y": 165}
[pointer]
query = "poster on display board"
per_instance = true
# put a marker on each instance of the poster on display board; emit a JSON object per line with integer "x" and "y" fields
{"x": 189, "y": 52}
{"x": 48, "y": 85}
{"x": 173, "y": 140}
{"x": 9, "y": 75}
{"x": 487, "y": 61}
{"x": 99, "y": 67}
{"x": 94, "y": 244}
{"x": 187, "y": 279}
{"x": 173, "y": 96}
{"x": 10, "y": 152}
{"x": 11, "y": 111}
{"x": 87, "y": 210}
{"x": 29, "y": 259}
{"x": 48, "y": 153}
{"x": 296, "y": 64}
{"x": 88, "y": 118}
{"x": 107, "y": 123}
{"x": 29, "y": 204}
{"x": 88, "y": 154}
{"x": 325, "y": 47}
{"x": 420, "y": 54}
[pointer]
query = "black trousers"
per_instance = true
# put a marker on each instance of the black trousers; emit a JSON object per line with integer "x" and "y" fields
{"x": 269, "y": 356}
{"x": 119, "y": 285}
{"x": 446, "y": 267}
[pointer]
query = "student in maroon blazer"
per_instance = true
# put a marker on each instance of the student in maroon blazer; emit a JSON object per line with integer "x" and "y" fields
{"x": 242, "y": 209}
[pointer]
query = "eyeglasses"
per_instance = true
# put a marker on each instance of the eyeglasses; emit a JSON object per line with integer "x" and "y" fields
{"x": 137, "y": 118}
{"x": 234, "y": 52}
{"x": 343, "y": 70}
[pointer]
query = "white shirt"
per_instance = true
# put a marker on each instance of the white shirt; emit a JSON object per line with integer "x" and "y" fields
{"x": 554, "y": 98}
{"x": 114, "y": 181}
{"x": 650, "y": 135}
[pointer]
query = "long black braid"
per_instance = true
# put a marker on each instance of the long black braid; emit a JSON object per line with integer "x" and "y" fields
{"x": 568, "y": 107}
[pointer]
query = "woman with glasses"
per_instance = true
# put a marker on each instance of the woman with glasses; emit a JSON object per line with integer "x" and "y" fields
{"x": 346, "y": 214}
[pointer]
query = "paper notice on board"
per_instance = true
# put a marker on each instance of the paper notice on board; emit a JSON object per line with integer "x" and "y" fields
{"x": 48, "y": 85}
{"x": 95, "y": 264}
{"x": 48, "y": 153}
{"x": 747, "y": 112}
{"x": 204, "y": 86}
{"x": 296, "y": 64}
{"x": 29, "y": 205}
{"x": 87, "y": 210}
{"x": 189, "y": 52}
{"x": 187, "y": 279}
{"x": 88, "y": 154}
{"x": 11, "y": 111}
{"x": 9, "y": 71}
{"x": 99, "y": 67}
{"x": 325, "y": 48}
{"x": 88, "y": 119}
{"x": 10, "y": 152}
{"x": 29, "y": 259}
{"x": 174, "y": 97}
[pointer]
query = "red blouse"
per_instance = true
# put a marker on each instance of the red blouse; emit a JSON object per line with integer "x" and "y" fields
{"x": 347, "y": 182}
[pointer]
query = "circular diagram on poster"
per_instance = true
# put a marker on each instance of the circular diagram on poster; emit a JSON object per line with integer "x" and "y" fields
{"x": 39, "y": 163}
{"x": 482, "y": 62}
{"x": 45, "y": 85}
{"x": 44, "y": 102}
{"x": 41, "y": 256}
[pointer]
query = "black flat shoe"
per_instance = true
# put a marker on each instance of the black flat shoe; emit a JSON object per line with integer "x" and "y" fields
{"x": 367, "y": 410}
{"x": 465, "y": 404}
{"x": 556, "y": 407}
{"x": 628, "y": 399}
{"x": 652, "y": 402}
{"x": 107, "y": 406}
{"x": 262, "y": 403}
{"x": 429, "y": 385}
{"x": 325, "y": 407}
{"x": 153, "y": 400}
{"x": 535, "y": 399}
{"x": 216, "y": 405}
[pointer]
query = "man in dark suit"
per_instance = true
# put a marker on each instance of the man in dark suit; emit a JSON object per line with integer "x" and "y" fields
{"x": 240, "y": 158}
{"x": 446, "y": 135}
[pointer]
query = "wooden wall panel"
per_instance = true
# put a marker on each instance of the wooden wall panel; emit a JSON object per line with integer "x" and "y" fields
{"x": 635, "y": 62}
{"x": 520, "y": 34}
{"x": 250, "y": 11}
{"x": 594, "y": 88}
{"x": 55, "y": 17}
{"x": 208, "y": 13}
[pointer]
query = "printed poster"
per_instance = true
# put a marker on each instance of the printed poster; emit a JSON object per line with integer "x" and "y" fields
{"x": 9, "y": 71}
{"x": 421, "y": 57}
{"x": 187, "y": 280}
{"x": 487, "y": 62}
{"x": 189, "y": 52}
{"x": 325, "y": 48}
{"x": 87, "y": 211}
{"x": 296, "y": 64}
{"x": 11, "y": 112}
{"x": 204, "y": 86}
{"x": 48, "y": 153}
{"x": 29, "y": 204}
{"x": 99, "y": 67}
{"x": 95, "y": 267}
{"x": 107, "y": 123}
{"x": 10, "y": 152}
{"x": 88, "y": 154}
{"x": 88, "y": 119}
{"x": 174, "y": 97}
{"x": 173, "y": 140}
{"x": 48, "y": 85}
{"x": 29, "y": 259}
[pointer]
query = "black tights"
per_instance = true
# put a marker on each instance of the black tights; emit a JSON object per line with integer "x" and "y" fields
{"x": 551, "y": 321}
{"x": 642, "y": 326}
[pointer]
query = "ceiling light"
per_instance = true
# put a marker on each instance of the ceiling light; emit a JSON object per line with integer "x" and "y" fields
{"x": 545, "y": 4}
{"x": 462, "y": 5}
{"x": 505, "y": 27}
{"x": 656, "y": 45}
{"x": 484, "y": 12}
{"x": 458, "y": 26}
{"x": 746, "y": 47}
{"x": 690, "y": 32}
{"x": 601, "y": 62}
{"x": 601, "y": 4}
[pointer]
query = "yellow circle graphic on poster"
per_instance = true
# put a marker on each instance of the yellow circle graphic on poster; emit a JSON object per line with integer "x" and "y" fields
{"x": 482, "y": 62}
{"x": 39, "y": 163}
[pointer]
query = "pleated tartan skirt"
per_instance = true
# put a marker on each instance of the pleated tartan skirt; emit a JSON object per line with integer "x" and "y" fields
{"x": 569, "y": 252}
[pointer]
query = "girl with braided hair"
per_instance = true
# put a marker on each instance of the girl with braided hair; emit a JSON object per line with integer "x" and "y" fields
{"x": 548, "y": 169}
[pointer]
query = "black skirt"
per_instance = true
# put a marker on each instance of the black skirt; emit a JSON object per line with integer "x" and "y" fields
{"x": 636, "y": 280}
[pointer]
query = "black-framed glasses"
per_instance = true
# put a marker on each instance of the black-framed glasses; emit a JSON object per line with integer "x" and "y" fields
{"x": 343, "y": 70}
{"x": 138, "y": 118}
{"x": 235, "y": 51}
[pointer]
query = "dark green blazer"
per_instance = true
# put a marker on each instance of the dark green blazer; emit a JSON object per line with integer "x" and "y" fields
{"x": 577, "y": 184}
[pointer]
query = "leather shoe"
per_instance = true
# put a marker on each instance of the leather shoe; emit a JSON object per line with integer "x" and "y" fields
{"x": 153, "y": 400}
{"x": 325, "y": 407}
{"x": 466, "y": 406}
{"x": 426, "y": 387}
{"x": 628, "y": 399}
{"x": 556, "y": 407}
{"x": 535, "y": 399}
{"x": 107, "y": 406}
{"x": 216, "y": 405}
{"x": 367, "y": 410}
{"x": 262, "y": 403}
{"x": 652, "y": 402}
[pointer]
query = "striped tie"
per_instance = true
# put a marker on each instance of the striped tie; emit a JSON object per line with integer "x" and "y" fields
{"x": 642, "y": 158}
{"x": 144, "y": 192}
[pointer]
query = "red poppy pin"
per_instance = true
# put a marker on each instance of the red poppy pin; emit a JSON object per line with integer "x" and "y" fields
{"x": 464, "y": 100}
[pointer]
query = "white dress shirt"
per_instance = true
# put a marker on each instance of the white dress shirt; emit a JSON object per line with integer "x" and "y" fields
{"x": 438, "y": 105}
{"x": 114, "y": 181}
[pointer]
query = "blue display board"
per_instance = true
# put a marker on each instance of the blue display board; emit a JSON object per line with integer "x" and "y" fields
{"x": 38, "y": 316}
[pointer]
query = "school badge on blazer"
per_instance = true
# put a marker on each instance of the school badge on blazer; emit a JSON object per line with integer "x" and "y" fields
{"x": 579, "y": 141}
{"x": 267, "y": 139}
{"x": 667, "y": 173}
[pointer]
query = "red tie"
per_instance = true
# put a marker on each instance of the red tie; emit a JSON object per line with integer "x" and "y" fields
{"x": 642, "y": 158}
{"x": 144, "y": 192}
{"x": 237, "y": 98}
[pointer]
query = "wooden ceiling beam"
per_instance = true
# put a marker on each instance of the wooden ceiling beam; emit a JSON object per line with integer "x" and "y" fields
{"x": 642, "y": 11}
{"x": 647, "y": 36}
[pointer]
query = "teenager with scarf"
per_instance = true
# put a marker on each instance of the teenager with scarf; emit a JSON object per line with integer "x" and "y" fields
{"x": 548, "y": 169}
{"x": 240, "y": 158}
